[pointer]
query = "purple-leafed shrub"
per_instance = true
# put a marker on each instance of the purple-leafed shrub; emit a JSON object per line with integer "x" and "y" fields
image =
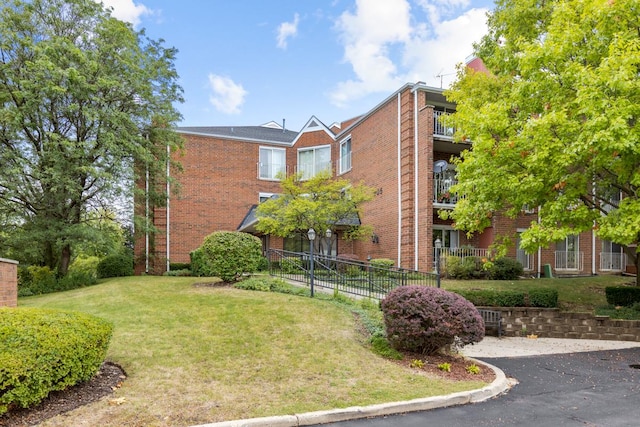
{"x": 424, "y": 320}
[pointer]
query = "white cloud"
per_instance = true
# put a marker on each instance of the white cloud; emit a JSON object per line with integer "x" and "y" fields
{"x": 390, "y": 43}
{"x": 227, "y": 96}
{"x": 287, "y": 30}
{"x": 127, "y": 10}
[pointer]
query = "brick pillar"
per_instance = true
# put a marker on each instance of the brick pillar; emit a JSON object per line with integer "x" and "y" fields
{"x": 8, "y": 283}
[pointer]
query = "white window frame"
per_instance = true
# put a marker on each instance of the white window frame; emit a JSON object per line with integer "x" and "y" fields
{"x": 273, "y": 171}
{"x": 315, "y": 170}
{"x": 263, "y": 197}
{"x": 345, "y": 160}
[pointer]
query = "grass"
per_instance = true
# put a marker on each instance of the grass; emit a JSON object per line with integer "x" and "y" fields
{"x": 580, "y": 294}
{"x": 197, "y": 355}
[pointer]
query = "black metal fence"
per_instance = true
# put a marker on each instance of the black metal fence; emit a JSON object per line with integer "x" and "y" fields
{"x": 344, "y": 276}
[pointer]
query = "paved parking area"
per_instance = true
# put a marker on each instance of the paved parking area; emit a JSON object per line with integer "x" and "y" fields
{"x": 582, "y": 388}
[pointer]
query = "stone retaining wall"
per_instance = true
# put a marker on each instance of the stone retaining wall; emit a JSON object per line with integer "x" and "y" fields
{"x": 552, "y": 323}
{"x": 8, "y": 283}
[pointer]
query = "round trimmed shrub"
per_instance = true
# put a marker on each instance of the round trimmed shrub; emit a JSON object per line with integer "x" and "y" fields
{"x": 116, "y": 265}
{"x": 227, "y": 255}
{"x": 425, "y": 320}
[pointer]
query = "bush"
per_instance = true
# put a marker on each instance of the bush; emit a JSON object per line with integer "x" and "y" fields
{"x": 227, "y": 255}
{"x": 464, "y": 268}
{"x": 624, "y": 296}
{"x": 116, "y": 265}
{"x": 381, "y": 266}
{"x": 291, "y": 265}
{"x": 269, "y": 284}
{"x": 36, "y": 280}
{"x": 493, "y": 298}
{"x": 178, "y": 273}
{"x": 85, "y": 264}
{"x": 179, "y": 266}
{"x": 546, "y": 298}
{"x": 43, "y": 350}
{"x": 425, "y": 320}
{"x": 505, "y": 269}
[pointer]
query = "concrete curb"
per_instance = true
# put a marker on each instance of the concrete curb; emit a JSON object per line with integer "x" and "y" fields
{"x": 498, "y": 386}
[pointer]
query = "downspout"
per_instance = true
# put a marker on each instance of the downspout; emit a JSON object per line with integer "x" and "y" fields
{"x": 416, "y": 187}
{"x": 399, "y": 243}
{"x": 168, "y": 208}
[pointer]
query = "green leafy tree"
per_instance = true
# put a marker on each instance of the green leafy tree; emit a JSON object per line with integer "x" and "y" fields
{"x": 321, "y": 203}
{"x": 83, "y": 99}
{"x": 554, "y": 123}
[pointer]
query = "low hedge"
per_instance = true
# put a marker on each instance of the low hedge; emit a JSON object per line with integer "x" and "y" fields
{"x": 624, "y": 296}
{"x": 544, "y": 298}
{"x": 43, "y": 350}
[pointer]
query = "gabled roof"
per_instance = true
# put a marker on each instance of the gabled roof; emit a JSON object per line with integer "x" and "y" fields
{"x": 268, "y": 134}
{"x": 314, "y": 125}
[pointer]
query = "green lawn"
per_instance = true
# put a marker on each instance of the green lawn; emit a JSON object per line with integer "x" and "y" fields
{"x": 582, "y": 294}
{"x": 195, "y": 355}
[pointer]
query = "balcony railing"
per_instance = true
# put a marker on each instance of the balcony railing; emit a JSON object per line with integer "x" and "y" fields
{"x": 572, "y": 261}
{"x": 461, "y": 253}
{"x": 441, "y": 193}
{"x": 440, "y": 125}
{"x": 613, "y": 261}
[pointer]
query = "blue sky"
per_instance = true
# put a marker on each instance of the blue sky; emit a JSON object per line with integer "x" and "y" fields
{"x": 248, "y": 62}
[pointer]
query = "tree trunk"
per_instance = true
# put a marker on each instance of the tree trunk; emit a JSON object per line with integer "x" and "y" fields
{"x": 65, "y": 259}
{"x": 636, "y": 258}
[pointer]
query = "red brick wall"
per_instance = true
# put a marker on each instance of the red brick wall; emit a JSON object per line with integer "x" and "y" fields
{"x": 8, "y": 283}
{"x": 374, "y": 160}
{"x": 218, "y": 185}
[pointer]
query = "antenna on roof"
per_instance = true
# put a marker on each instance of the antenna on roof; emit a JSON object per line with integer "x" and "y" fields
{"x": 283, "y": 128}
{"x": 440, "y": 76}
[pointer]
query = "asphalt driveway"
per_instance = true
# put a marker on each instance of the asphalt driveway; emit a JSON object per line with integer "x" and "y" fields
{"x": 597, "y": 388}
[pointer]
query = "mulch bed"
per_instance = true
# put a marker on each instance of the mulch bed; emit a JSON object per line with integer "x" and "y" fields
{"x": 108, "y": 379}
{"x": 458, "y": 364}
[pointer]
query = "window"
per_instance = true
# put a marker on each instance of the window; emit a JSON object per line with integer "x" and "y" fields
{"x": 263, "y": 197}
{"x": 345, "y": 155}
{"x": 272, "y": 163}
{"x": 522, "y": 256}
{"x": 314, "y": 160}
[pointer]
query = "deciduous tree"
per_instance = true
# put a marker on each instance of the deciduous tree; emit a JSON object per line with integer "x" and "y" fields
{"x": 554, "y": 124}
{"x": 321, "y": 203}
{"x": 83, "y": 98}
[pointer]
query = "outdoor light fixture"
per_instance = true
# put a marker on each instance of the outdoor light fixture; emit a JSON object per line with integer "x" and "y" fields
{"x": 311, "y": 234}
{"x": 438, "y": 245}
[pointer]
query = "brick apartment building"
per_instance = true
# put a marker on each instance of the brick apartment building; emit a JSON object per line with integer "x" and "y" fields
{"x": 400, "y": 147}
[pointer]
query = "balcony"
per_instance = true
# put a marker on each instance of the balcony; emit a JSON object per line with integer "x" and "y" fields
{"x": 442, "y": 197}
{"x": 440, "y": 126}
{"x": 569, "y": 260}
{"x": 462, "y": 253}
{"x": 613, "y": 261}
